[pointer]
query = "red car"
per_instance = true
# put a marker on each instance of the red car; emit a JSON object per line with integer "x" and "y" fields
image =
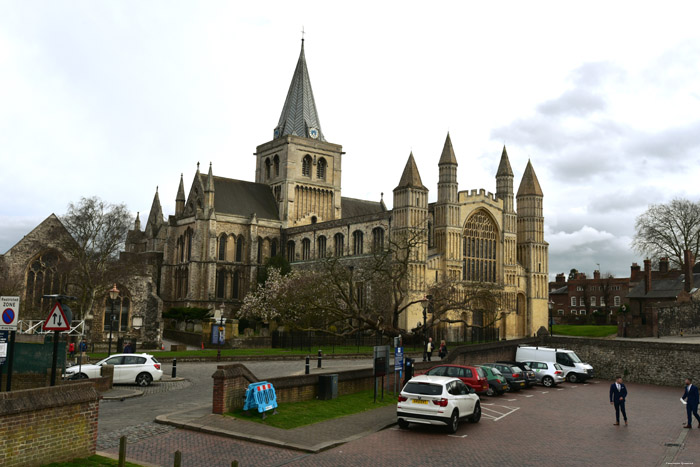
{"x": 472, "y": 376}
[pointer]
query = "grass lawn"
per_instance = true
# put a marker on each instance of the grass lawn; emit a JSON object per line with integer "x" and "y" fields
{"x": 584, "y": 330}
{"x": 92, "y": 461}
{"x": 295, "y": 414}
{"x": 327, "y": 350}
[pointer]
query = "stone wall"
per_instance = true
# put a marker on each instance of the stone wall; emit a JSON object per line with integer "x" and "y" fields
{"x": 677, "y": 318}
{"x": 55, "y": 424}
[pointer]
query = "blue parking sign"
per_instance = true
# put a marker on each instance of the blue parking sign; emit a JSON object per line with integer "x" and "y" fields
{"x": 398, "y": 358}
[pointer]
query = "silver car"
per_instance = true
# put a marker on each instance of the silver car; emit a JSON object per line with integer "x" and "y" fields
{"x": 548, "y": 374}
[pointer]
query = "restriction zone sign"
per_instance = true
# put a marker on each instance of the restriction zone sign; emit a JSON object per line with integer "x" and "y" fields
{"x": 9, "y": 306}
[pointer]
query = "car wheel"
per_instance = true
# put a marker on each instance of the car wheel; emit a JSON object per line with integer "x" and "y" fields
{"x": 79, "y": 376}
{"x": 403, "y": 424}
{"x": 491, "y": 391}
{"x": 144, "y": 379}
{"x": 476, "y": 415}
{"x": 572, "y": 378}
{"x": 454, "y": 422}
{"x": 547, "y": 381}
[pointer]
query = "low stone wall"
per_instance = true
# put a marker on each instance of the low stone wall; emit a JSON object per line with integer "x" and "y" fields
{"x": 645, "y": 362}
{"x": 54, "y": 424}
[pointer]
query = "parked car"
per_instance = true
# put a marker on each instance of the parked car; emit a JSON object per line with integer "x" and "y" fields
{"x": 548, "y": 374}
{"x": 472, "y": 376}
{"x": 574, "y": 369}
{"x": 514, "y": 376}
{"x": 129, "y": 368}
{"x": 437, "y": 400}
{"x": 530, "y": 376}
{"x": 497, "y": 382}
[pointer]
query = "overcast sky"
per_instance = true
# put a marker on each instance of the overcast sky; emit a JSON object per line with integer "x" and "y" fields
{"x": 112, "y": 99}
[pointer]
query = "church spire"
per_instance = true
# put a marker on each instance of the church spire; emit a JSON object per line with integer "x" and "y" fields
{"x": 529, "y": 185}
{"x": 504, "y": 167}
{"x": 299, "y": 116}
{"x": 180, "y": 198}
{"x": 410, "y": 176}
{"x": 448, "y": 153}
{"x": 155, "y": 217}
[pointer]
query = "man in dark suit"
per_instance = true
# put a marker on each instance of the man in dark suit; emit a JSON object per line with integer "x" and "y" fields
{"x": 691, "y": 398}
{"x": 618, "y": 393}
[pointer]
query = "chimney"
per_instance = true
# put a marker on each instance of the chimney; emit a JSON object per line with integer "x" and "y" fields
{"x": 688, "y": 263}
{"x": 635, "y": 273}
{"x": 663, "y": 265}
{"x": 561, "y": 278}
{"x": 647, "y": 276}
{"x": 596, "y": 275}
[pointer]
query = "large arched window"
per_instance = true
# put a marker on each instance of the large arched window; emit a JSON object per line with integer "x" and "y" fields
{"x": 339, "y": 244}
{"x": 306, "y": 166}
{"x": 239, "y": 248}
{"x": 290, "y": 251}
{"x": 321, "y": 168}
{"x": 222, "y": 247}
{"x": 43, "y": 278}
{"x": 479, "y": 248}
{"x": 377, "y": 239}
{"x": 306, "y": 249}
{"x": 119, "y": 313}
{"x": 357, "y": 239}
{"x": 220, "y": 283}
{"x": 321, "y": 246}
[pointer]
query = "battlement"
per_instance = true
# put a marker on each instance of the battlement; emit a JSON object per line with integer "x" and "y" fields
{"x": 480, "y": 195}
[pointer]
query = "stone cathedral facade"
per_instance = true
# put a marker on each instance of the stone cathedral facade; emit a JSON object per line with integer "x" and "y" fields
{"x": 208, "y": 251}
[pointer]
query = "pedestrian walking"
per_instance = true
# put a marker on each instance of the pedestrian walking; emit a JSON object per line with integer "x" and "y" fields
{"x": 429, "y": 348}
{"x": 618, "y": 394}
{"x": 71, "y": 349}
{"x": 442, "y": 351}
{"x": 82, "y": 346}
{"x": 690, "y": 396}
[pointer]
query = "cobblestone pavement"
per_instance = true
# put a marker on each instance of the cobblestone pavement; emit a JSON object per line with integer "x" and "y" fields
{"x": 569, "y": 425}
{"x": 133, "y": 434}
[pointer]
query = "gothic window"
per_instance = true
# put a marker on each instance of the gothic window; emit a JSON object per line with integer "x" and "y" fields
{"x": 479, "y": 247}
{"x": 43, "y": 278}
{"x": 357, "y": 239}
{"x": 188, "y": 241}
{"x": 267, "y": 168}
{"x": 278, "y": 192}
{"x": 377, "y": 239}
{"x": 220, "y": 283}
{"x": 273, "y": 247}
{"x": 306, "y": 166}
{"x": 321, "y": 169}
{"x": 260, "y": 250}
{"x": 339, "y": 244}
{"x": 306, "y": 249}
{"x": 360, "y": 294}
{"x": 118, "y": 311}
{"x": 235, "y": 285}
{"x": 222, "y": 247}
{"x": 239, "y": 248}
{"x": 276, "y": 163}
{"x": 321, "y": 246}
{"x": 430, "y": 235}
{"x": 290, "y": 251}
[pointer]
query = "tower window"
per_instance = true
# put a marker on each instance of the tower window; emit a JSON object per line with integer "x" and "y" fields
{"x": 267, "y": 168}
{"x": 276, "y": 163}
{"x": 306, "y": 166}
{"x": 321, "y": 169}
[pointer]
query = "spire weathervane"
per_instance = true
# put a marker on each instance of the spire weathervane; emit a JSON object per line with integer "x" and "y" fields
{"x": 302, "y": 33}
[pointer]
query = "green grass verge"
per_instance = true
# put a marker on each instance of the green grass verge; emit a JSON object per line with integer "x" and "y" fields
{"x": 362, "y": 350}
{"x": 92, "y": 461}
{"x": 296, "y": 414}
{"x": 584, "y": 330}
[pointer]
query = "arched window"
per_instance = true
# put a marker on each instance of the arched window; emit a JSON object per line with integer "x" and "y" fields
{"x": 306, "y": 166}
{"x": 220, "y": 283}
{"x": 239, "y": 248}
{"x": 222, "y": 247}
{"x": 117, "y": 313}
{"x": 357, "y": 239}
{"x": 339, "y": 244}
{"x": 479, "y": 248}
{"x": 260, "y": 250}
{"x": 267, "y": 168}
{"x": 188, "y": 241}
{"x": 321, "y": 246}
{"x": 43, "y": 278}
{"x": 321, "y": 168}
{"x": 273, "y": 247}
{"x": 290, "y": 251}
{"x": 377, "y": 239}
{"x": 276, "y": 163}
{"x": 306, "y": 249}
{"x": 235, "y": 285}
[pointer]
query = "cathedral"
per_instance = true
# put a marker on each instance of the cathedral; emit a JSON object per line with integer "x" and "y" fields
{"x": 208, "y": 252}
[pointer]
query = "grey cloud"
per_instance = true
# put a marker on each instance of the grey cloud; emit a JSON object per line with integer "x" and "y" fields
{"x": 676, "y": 144}
{"x": 576, "y": 102}
{"x": 636, "y": 199}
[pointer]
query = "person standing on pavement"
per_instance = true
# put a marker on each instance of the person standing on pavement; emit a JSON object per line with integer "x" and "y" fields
{"x": 442, "y": 351}
{"x": 618, "y": 394}
{"x": 690, "y": 396}
{"x": 429, "y": 348}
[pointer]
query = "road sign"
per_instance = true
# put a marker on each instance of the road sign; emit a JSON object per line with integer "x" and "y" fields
{"x": 9, "y": 309}
{"x": 398, "y": 358}
{"x": 57, "y": 320}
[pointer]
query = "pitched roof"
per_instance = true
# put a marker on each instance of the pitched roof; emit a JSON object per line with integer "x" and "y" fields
{"x": 410, "y": 176}
{"x": 529, "y": 185}
{"x": 448, "y": 152}
{"x": 504, "y": 166}
{"x": 299, "y": 113}
{"x": 352, "y": 207}
{"x": 663, "y": 288}
{"x": 243, "y": 198}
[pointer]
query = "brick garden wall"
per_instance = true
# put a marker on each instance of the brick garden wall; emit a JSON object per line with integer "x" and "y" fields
{"x": 54, "y": 424}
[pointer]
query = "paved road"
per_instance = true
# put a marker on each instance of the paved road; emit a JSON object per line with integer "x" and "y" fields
{"x": 569, "y": 425}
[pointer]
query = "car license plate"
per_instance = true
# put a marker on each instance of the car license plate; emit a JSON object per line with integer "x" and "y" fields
{"x": 416, "y": 401}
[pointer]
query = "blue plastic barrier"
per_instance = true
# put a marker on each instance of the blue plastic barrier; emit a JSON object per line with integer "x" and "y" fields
{"x": 261, "y": 396}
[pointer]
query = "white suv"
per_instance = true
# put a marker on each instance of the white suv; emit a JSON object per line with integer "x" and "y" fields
{"x": 141, "y": 369}
{"x": 437, "y": 400}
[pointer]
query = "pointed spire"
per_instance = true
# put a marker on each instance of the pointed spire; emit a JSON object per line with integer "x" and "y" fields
{"x": 137, "y": 222}
{"x": 299, "y": 116}
{"x": 448, "y": 153}
{"x": 210, "y": 180}
{"x": 155, "y": 217}
{"x": 180, "y": 191}
{"x": 410, "y": 177}
{"x": 504, "y": 167}
{"x": 529, "y": 185}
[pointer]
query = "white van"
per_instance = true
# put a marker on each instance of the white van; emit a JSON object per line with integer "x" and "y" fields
{"x": 574, "y": 369}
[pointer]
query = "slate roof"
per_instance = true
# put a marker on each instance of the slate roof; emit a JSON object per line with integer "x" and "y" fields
{"x": 299, "y": 113}
{"x": 560, "y": 291}
{"x": 352, "y": 207}
{"x": 243, "y": 198}
{"x": 663, "y": 288}
{"x": 529, "y": 185}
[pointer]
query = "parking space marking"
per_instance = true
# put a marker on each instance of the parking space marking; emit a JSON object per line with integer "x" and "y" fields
{"x": 511, "y": 400}
{"x": 530, "y": 395}
{"x": 546, "y": 392}
{"x": 498, "y": 414}
{"x": 560, "y": 389}
{"x": 457, "y": 436}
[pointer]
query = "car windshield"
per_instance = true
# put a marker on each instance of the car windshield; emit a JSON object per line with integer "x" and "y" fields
{"x": 423, "y": 388}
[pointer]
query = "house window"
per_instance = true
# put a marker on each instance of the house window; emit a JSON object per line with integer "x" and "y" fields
{"x": 377, "y": 239}
{"x": 357, "y": 239}
{"x": 593, "y": 301}
{"x": 574, "y": 312}
{"x": 321, "y": 169}
{"x": 321, "y": 246}
{"x": 560, "y": 312}
{"x": 581, "y": 301}
{"x": 290, "y": 251}
{"x": 306, "y": 166}
{"x": 306, "y": 249}
{"x": 579, "y": 288}
{"x": 339, "y": 244}
{"x": 480, "y": 243}
{"x": 573, "y": 301}
{"x": 582, "y": 312}
{"x": 121, "y": 313}
{"x": 616, "y": 300}
{"x": 602, "y": 301}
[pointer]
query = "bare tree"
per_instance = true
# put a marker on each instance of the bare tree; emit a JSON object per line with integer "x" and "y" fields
{"x": 99, "y": 230}
{"x": 472, "y": 304}
{"x": 666, "y": 230}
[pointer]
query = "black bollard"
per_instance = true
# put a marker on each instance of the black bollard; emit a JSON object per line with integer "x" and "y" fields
{"x": 306, "y": 372}
{"x": 174, "y": 367}
{"x": 319, "y": 358}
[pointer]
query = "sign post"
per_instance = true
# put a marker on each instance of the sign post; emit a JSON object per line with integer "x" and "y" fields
{"x": 9, "y": 306}
{"x": 58, "y": 320}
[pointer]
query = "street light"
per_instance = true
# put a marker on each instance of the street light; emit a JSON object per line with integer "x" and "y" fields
{"x": 551, "y": 306}
{"x": 426, "y": 304}
{"x": 113, "y": 295}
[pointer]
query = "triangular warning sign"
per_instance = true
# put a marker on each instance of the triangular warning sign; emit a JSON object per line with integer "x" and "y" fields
{"x": 57, "y": 319}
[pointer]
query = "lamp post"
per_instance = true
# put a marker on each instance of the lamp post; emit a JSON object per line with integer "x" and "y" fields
{"x": 221, "y": 332}
{"x": 551, "y": 306}
{"x": 113, "y": 295}
{"x": 425, "y": 303}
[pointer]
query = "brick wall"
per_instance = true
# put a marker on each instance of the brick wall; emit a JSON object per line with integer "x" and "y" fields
{"x": 54, "y": 424}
